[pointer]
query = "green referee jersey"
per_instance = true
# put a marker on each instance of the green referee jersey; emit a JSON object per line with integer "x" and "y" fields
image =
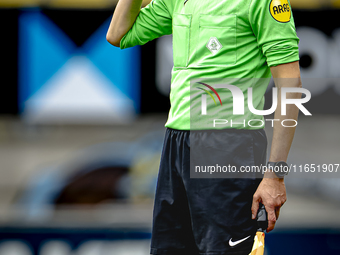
{"x": 218, "y": 39}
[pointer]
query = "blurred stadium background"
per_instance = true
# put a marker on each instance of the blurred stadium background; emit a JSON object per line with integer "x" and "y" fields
{"x": 82, "y": 124}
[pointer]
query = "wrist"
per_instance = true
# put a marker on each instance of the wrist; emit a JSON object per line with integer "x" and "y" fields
{"x": 271, "y": 175}
{"x": 277, "y": 158}
{"x": 277, "y": 169}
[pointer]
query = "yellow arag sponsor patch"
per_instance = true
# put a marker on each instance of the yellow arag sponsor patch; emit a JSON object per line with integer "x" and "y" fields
{"x": 280, "y": 10}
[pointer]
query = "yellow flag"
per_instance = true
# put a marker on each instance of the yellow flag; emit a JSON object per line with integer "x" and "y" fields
{"x": 258, "y": 247}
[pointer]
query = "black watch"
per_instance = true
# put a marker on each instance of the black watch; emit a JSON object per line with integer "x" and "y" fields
{"x": 281, "y": 168}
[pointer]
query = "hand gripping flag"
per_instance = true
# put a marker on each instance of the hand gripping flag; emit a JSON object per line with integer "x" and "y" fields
{"x": 258, "y": 246}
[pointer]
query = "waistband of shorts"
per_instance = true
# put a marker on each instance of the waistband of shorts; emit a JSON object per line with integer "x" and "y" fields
{"x": 229, "y": 130}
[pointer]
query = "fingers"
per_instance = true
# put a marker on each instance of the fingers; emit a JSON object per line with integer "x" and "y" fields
{"x": 255, "y": 206}
{"x": 273, "y": 195}
{"x": 277, "y": 212}
{"x": 271, "y": 218}
{"x": 271, "y": 226}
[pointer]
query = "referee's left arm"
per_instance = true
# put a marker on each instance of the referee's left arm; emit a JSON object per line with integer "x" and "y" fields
{"x": 285, "y": 75}
{"x": 272, "y": 191}
{"x": 273, "y": 26}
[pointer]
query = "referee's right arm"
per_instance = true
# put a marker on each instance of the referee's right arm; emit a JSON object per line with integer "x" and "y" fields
{"x": 122, "y": 20}
{"x": 131, "y": 25}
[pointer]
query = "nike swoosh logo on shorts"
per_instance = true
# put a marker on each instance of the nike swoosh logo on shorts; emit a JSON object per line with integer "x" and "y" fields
{"x": 231, "y": 243}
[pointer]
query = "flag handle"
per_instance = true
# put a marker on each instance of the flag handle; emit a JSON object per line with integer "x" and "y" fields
{"x": 262, "y": 218}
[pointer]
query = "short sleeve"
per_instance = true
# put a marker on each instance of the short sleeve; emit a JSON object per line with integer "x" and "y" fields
{"x": 153, "y": 21}
{"x": 273, "y": 25}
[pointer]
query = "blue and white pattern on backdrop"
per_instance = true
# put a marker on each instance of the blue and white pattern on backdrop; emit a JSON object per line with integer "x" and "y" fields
{"x": 60, "y": 82}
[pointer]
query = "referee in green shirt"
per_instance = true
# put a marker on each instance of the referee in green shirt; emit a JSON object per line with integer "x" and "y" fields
{"x": 250, "y": 40}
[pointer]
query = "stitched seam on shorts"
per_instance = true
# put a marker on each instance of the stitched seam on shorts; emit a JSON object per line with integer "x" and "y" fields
{"x": 156, "y": 251}
{"x": 225, "y": 253}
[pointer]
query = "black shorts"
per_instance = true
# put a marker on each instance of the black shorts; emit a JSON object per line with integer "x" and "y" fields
{"x": 209, "y": 216}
